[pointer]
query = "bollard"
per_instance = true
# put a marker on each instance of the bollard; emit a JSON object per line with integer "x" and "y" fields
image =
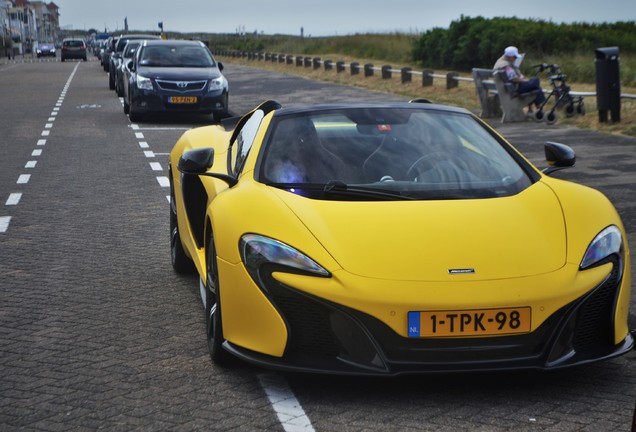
{"x": 299, "y": 61}
{"x": 386, "y": 72}
{"x": 406, "y": 75}
{"x": 340, "y": 66}
{"x": 328, "y": 65}
{"x": 308, "y": 61}
{"x": 281, "y": 58}
{"x": 268, "y": 56}
{"x": 290, "y": 59}
{"x": 451, "y": 82}
{"x": 355, "y": 68}
{"x": 316, "y": 62}
{"x": 427, "y": 78}
{"x": 368, "y": 70}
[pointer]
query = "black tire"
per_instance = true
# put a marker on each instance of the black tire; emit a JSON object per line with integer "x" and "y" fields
{"x": 119, "y": 90}
{"x": 551, "y": 118}
{"x": 62, "y": 59}
{"x": 111, "y": 81}
{"x": 213, "y": 322}
{"x": 126, "y": 107}
{"x": 570, "y": 111}
{"x": 135, "y": 117}
{"x": 181, "y": 263}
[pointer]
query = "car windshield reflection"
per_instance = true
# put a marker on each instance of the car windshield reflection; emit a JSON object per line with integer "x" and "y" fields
{"x": 176, "y": 56}
{"x": 399, "y": 153}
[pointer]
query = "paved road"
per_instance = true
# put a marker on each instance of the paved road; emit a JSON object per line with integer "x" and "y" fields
{"x": 96, "y": 331}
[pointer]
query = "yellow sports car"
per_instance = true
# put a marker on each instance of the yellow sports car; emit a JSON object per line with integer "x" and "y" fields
{"x": 393, "y": 238}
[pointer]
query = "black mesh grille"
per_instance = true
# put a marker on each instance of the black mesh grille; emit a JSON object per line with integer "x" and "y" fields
{"x": 594, "y": 318}
{"x": 307, "y": 321}
{"x": 182, "y": 86}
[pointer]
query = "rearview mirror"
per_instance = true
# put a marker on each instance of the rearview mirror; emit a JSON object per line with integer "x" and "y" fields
{"x": 559, "y": 156}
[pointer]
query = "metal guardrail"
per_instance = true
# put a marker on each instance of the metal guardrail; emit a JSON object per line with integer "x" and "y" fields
{"x": 355, "y": 68}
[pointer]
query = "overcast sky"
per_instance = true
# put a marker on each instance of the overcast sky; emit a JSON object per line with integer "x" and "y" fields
{"x": 325, "y": 17}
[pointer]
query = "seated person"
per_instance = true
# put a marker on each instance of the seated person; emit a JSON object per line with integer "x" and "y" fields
{"x": 507, "y": 63}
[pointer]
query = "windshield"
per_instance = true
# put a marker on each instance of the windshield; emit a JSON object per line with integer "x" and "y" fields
{"x": 374, "y": 153}
{"x": 176, "y": 56}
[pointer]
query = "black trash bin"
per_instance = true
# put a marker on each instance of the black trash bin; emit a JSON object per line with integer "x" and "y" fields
{"x": 608, "y": 83}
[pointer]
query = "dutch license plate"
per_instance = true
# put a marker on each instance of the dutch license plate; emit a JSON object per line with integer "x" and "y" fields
{"x": 476, "y": 322}
{"x": 182, "y": 99}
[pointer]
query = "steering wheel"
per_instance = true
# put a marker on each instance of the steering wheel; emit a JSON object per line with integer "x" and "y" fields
{"x": 426, "y": 163}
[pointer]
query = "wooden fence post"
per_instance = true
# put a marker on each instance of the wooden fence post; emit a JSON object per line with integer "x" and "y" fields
{"x": 451, "y": 82}
{"x": 386, "y": 72}
{"x": 406, "y": 75}
{"x": 368, "y": 70}
{"x": 427, "y": 78}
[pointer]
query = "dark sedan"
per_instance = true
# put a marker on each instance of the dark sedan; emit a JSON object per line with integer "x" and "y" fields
{"x": 174, "y": 76}
{"x": 45, "y": 49}
{"x": 73, "y": 49}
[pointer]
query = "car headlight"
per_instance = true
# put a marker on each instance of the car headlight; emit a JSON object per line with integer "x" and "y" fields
{"x": 216, "y": 84}
{"x": 257, "y": 250}
{"x": 607, "y": 242}
{"x": 143, "y": 83}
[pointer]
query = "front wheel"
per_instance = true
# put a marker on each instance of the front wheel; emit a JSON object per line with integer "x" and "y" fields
{"x": 551, "y": 118}
{"x": 181, "y": 263}
{"x": 213, "y": 323}
{"x": 135, "y": 117}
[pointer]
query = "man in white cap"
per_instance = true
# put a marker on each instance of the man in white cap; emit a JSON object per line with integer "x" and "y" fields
{"x": 507, "y": 63}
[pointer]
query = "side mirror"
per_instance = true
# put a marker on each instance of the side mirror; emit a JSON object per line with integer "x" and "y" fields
{"x": 220, "y": 66}
{"x": 559, "y": 156}
{"x": 196, "y": 161}
{"x": 199, "y": 161}
{"x": 131, "y": 65}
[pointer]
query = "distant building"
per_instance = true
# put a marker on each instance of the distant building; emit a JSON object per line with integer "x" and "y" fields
{"x": 29, "y": 23}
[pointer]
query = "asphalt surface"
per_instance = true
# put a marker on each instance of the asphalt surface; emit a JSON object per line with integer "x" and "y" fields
{"x": 98, "y": 332}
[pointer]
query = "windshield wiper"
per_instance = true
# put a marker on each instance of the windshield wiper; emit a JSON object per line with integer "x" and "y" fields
{"x": 340, "y": 188}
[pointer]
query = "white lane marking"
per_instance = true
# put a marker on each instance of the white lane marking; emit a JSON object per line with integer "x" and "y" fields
{"x": 168, "y": 198}
{"x": 31, "y": 164}
{"x": 149, "y": 154}
{"x": 163, "y": 181}
{"x": 48, "y": 125}
{"x": 156, "y": 166}
{"x": 162, "y": 128}
{"x": 36, "y": 153}
{"x": 143, "y": 144}
{"x": 134, "y": 126}
{"x": 162, "y": 154}
{"x": 54, "y": 113}
{"x": 290, "y": 414}
{"x": 4, "y": 223}
{"x": 41, "y": 142}
{"x": 51, "y": 119}
{"x": 24, "y": 178}
{"x": 139, "y": 135}
{"x": 46, "y": 133}
{"x": 56, "y": 109}
{"x": 13, "y": 199}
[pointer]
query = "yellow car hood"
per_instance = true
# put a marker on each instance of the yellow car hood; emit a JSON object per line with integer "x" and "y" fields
{"x": 451, "y": 240}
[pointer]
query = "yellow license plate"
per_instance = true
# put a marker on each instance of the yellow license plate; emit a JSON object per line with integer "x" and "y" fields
{"x": 475, "y": 322}
{"x": 182, "y": 99}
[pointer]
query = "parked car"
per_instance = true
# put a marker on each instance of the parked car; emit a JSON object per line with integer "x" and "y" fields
{"x": 73, "y": 49}
{"x": 394, "y": 238}
{"x": 120, "y": 73}
{"x": 46, "y": 49}
{"x": 108, "y": 48}
{"x": 116, "y": 55}
{"x": 175, "y": 76}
